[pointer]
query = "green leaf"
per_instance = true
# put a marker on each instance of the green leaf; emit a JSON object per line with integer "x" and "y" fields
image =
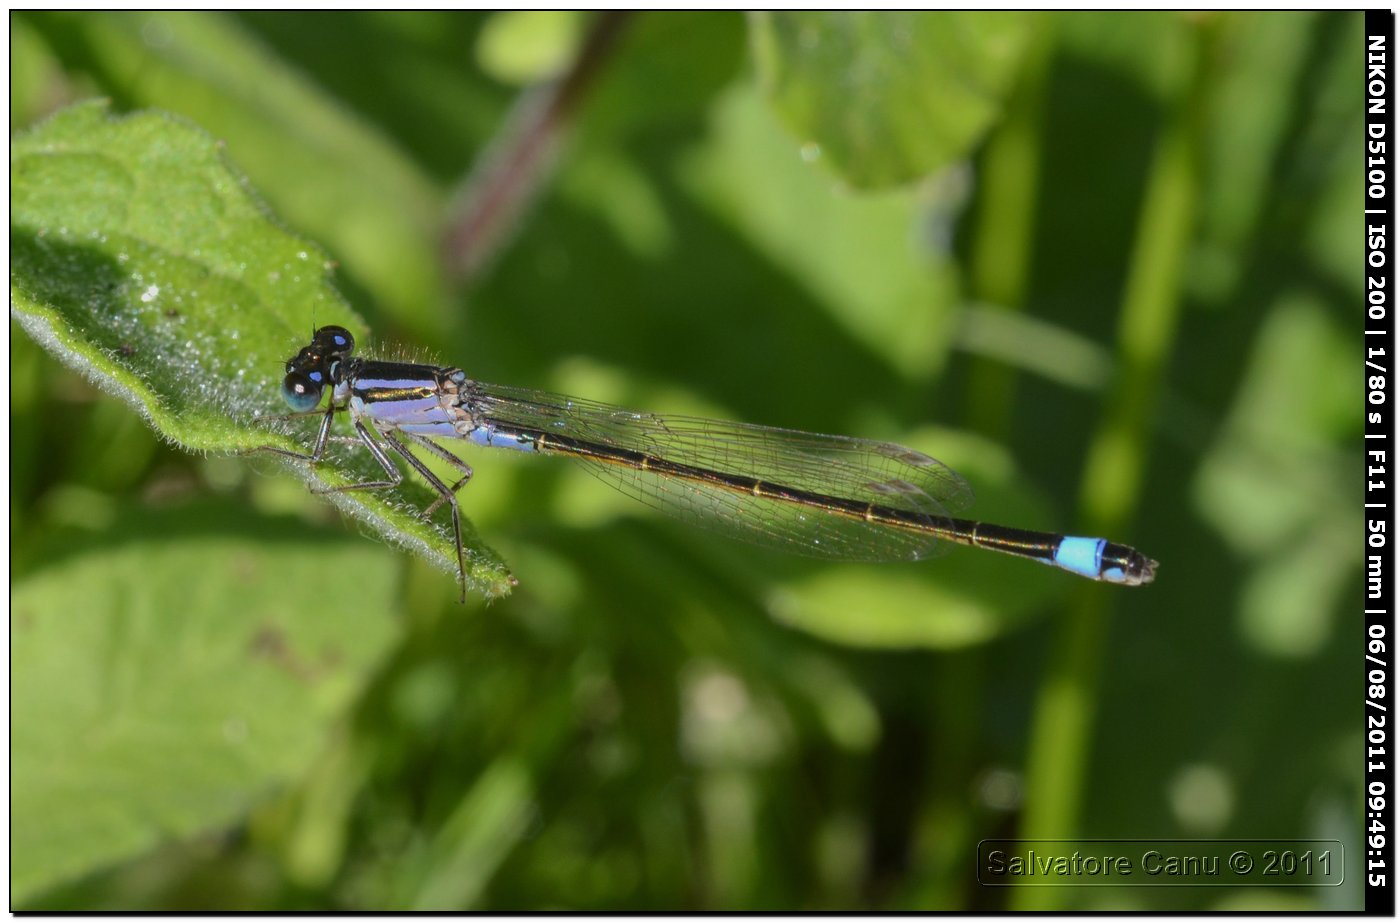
{"x": 140, "y": 258}
{"x": 163, "y": 682}
{"x": 888, "y": 98}
{"x": 329, "y": 172}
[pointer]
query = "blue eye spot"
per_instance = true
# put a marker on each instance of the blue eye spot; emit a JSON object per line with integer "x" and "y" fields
{"x": 336, "y": 340}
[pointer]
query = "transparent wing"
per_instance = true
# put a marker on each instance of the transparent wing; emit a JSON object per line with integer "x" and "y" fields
{"x": 834, "y": 466}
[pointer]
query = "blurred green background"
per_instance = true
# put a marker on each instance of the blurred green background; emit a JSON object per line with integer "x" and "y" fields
{"x": 1106, "y": 265}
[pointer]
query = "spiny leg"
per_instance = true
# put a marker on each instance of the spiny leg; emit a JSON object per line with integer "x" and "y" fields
{"x": 445, "y": 494}
{"x": 323, "y": 436}
{"x": 396, "y": 477}
{"x": 385, "y": 462}
{"x": 377, "y": 451}
{"x": 451, "y": 459}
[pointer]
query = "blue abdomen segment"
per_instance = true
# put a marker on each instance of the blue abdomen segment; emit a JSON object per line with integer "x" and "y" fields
{"x": 491, "y": 437}
{"x": 1101, "y": 559}
{"x": 1083, "y": 556}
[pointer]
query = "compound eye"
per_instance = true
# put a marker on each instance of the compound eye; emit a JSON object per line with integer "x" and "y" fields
{"x": 301, "y": 392}
{"x": 336, "y": 340}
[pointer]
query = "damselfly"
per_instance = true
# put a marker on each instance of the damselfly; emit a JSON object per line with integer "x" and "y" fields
{"x": 821, "y": 495}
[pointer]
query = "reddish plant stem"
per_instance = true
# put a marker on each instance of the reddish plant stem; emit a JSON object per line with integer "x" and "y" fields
{"x": 514, "y": 167}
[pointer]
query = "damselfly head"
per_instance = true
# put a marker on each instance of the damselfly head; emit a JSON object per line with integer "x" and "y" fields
{"x": 309, "y": 370}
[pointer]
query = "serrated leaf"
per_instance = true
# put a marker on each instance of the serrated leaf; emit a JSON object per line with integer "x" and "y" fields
{"x": 886, "y": 98}
{"x": 162, "y": 681}
{"x": 140, "y": 258}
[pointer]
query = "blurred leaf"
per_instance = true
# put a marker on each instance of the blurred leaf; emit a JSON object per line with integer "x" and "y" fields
{"x": 668, "y": 67}
{"x": 1274, "y": 472}
{"x": 896, "y": 608}
{"x": 1246, "y": 125}
{"x": 1274, "y": 484}
{"x": 888, "y": 98}
{"x": 162, "y": 681}
{"x": 965, "y": 599}
{"x": 331, "y": 175}
{"x": 478, "y": 836}
{"x": 407, "y": 73}
{"x": 36, "y": 80}
{"x": 524, "y": 46}
{"x": 140, "y": 258}
{"x": 864, "y": 260}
